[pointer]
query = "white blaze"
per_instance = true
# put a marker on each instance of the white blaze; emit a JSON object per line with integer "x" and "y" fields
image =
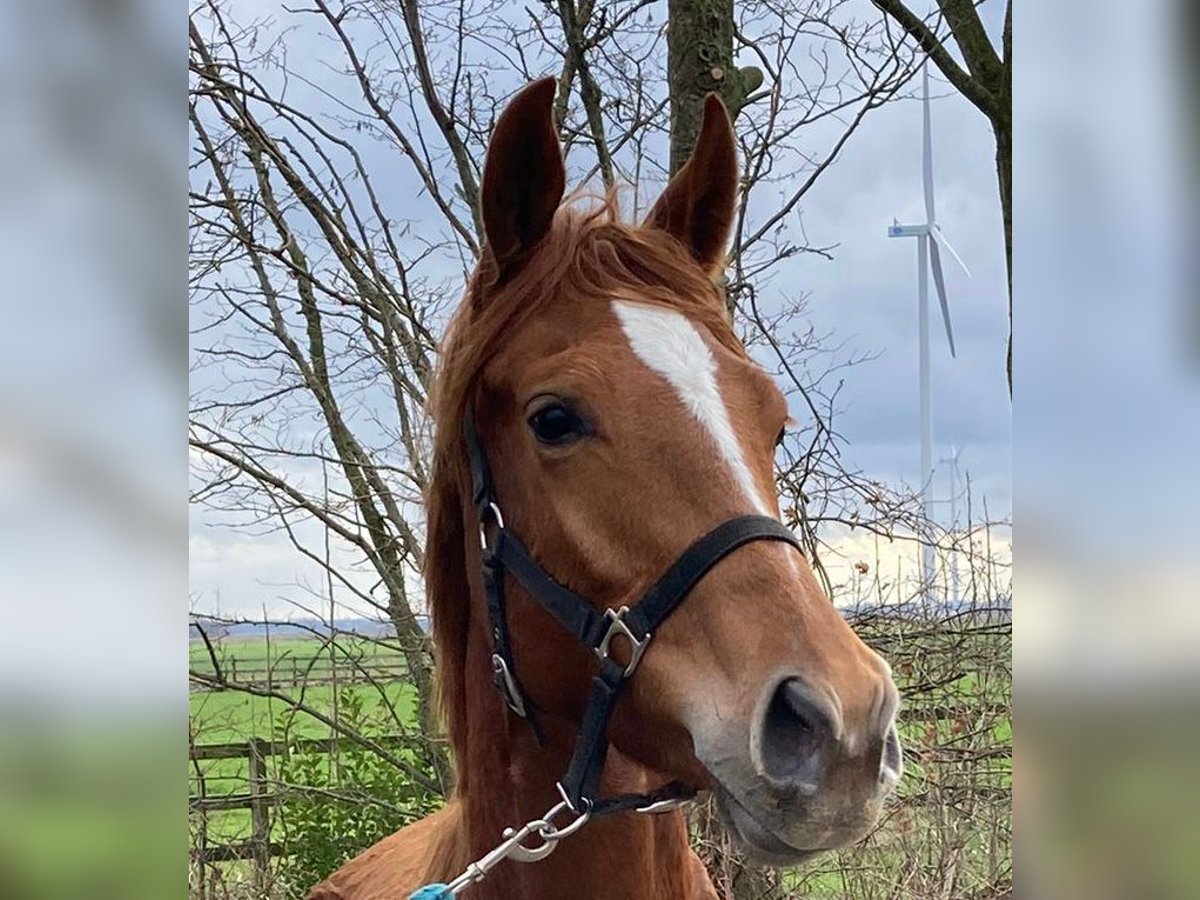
{"x": 671, "y": 346}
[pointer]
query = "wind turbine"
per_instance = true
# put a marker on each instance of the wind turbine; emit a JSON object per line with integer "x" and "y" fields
{"x": 952, "y": 560}
{"x": 930, "y": 240}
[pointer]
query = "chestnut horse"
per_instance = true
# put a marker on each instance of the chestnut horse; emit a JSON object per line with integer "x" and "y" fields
{"x": 623, "y": 420}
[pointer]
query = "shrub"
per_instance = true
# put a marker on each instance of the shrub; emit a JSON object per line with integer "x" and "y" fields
{"x": 338, "y": 804}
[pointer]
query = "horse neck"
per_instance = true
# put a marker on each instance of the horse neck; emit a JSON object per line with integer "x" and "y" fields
{"x": 510, "y": 780}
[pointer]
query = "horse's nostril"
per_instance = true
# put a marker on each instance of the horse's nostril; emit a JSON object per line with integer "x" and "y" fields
{"x": 795, "y": 732}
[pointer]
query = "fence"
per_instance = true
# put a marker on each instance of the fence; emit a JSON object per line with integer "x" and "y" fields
{"x": 297, "y": 671}
{"x": 259, "y": 798}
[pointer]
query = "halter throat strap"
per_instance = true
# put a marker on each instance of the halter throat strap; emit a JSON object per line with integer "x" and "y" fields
{"x": 504, "y": 553}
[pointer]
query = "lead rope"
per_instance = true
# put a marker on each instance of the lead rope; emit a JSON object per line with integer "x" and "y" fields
{"x": 512, "y": 847}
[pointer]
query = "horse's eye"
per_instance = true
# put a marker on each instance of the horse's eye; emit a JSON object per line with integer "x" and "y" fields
{"x": 556, "y": 425}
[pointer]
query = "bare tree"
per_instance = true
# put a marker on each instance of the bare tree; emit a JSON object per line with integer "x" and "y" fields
{"x": 316, "y": 301}
{"x": 336, "y": 154}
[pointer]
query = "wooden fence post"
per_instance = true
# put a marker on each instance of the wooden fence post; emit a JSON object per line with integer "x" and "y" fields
{"x": 260, "y": 822}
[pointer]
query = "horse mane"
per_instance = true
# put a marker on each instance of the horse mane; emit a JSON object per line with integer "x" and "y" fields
{"x": 589, "y": 256}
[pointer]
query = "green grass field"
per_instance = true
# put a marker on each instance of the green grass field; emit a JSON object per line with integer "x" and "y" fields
{"x": 259, "y": 649}
{"x": 289, "y": 659}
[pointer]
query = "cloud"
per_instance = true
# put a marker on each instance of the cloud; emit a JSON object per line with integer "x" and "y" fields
{"x": 865, "y": 568}
{"x": 239, "y": 575}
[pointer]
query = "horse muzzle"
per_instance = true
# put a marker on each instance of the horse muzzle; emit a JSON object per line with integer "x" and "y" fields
{"x": 796, "y": 781}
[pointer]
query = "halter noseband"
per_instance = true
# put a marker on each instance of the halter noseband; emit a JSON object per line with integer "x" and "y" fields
{"x": 504, "y": 552}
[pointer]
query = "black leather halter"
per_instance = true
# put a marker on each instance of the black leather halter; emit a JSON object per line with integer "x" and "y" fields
{"x": 503, "y": 552}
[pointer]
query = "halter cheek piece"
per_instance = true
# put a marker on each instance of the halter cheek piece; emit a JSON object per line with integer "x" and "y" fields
{"x": 635, "y": 625}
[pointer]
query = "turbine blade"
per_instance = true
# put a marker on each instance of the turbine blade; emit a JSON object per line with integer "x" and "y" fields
{"x": 935, "y": 263}
{"x": 939, "y": 237}
{"x": 927, "y": 149}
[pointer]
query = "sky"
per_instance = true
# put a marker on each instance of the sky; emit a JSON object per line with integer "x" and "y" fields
{"x": 867, "y": 295}
{"x": 865, "y": 298}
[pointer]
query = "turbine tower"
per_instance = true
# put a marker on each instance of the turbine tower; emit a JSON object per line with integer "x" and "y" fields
{"x": 930, "y": 240}
{"x": 952, "y": 558}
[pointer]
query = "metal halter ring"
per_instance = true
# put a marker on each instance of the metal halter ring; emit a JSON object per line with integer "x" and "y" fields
{"x": 492, "y": 512}
{"x": 553, "y": 832}
{"x": 562, "y": 792}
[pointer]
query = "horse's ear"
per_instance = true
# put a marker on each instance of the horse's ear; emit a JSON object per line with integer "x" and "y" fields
{"x": 698, "y": 205}
{"x": 523, "y": 177}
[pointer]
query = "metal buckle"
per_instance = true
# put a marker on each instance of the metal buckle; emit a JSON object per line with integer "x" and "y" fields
{"x": 496, "y": 517}
{"x": 617, "y": 627}
{"x": 508, "y": 685}
{"x": 663, "y": 806}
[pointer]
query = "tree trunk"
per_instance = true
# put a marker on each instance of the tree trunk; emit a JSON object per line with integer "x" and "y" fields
{"x": 1003, "y": 132}
{"x": 700, "y": 61}
{"x": 1004, "y": 166}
